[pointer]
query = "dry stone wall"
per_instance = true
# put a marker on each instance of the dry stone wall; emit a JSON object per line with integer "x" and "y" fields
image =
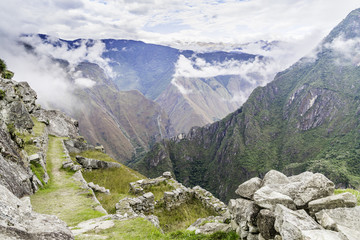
{"x": 296, "y": 207}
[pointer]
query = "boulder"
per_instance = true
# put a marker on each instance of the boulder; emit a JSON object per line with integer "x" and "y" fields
{"x": 311, "y": 188}
{"x": 322, "y": 235}
{"x": 18, "y": 221}
{"x": 265, "y": 223}
{"x": 89, "y": 163}
{"x": 167, "y": 175}
{"x": 59, "y": 124}
{"x": 267, "y": 197}
{"x": 336, "y": 201}
{"x": 248, "y": 188}
{"x": 209, "y": 225}
{"x": 275, "y": 177}
{"x": 243, "y": 210}
{"x": 290, "y": 224}
{"x": 343, "y": 220}
{"x": 97, "y": 188}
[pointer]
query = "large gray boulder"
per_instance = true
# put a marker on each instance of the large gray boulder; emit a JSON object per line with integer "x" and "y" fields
{"x": 89, "y": 163}
{"x": 59, "y": 124}
{"x": 209, "y": 225}
{"x": 18, "y": 221}
{"x": 248, "y": 188}
{"x": 265, "y": 222}
{"x": 336, "y": 201}
{"x": 290, "y": 224}
{"x": 15, "y": 177}
{"x": 301, "y": 188}
{"x": 268, "y": 198}
{"x": 343, "y": 220}
{"x": 244, "y": 213}
{"x": 275, "y": 177}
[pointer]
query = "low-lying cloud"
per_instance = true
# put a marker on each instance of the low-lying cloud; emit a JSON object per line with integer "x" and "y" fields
{"x": 347, "y": 51}
{"x": 84, "y": 82}
{"x": 85, "y": 50}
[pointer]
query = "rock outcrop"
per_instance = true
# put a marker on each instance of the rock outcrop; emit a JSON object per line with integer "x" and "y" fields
{"x": 18, "y": 221}
{"x": 297, "y": 207}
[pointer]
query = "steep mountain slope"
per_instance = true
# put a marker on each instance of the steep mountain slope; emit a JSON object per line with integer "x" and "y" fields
{"x": 201, "y": 86}
{"x": 306, "y": 119}
{"x": 125, "y": 122}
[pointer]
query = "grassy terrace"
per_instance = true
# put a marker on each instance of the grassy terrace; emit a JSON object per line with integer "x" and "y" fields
{"x": 115, "y": 179}
{"x": 29, "y": 145}
{"x": 140, "y": 229}
{"x": 62, "y": 196}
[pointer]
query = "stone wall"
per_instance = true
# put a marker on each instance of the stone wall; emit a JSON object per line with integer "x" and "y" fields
{"x": 296, "y": 207}
{"x": 180, "y": 195}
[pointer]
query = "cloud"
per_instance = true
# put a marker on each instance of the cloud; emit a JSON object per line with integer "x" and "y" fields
{"x": 84, "y": 82}
{"x": 46, "y": 77}
{"x": 228, "y": 21}
{"x": 86, "y": 50}
{"x": 346, "y": 50}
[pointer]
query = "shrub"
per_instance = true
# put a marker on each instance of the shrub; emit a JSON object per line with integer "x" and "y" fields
{"x": 2, "y": 94}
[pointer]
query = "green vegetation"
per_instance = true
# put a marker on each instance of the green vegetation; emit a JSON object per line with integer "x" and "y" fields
{"x": 353, "y": 191}
{"x": 115, "y": 179}
{"x": 139, "y": 229}
{"x": 2, "y": 94}
{"x": 63, "y": 196}
{"x": 4, "y": 72}
{"x": 37, "y": 131}
{"x": 182, "y": 217}
{"x": 38, "y": 170}
{"x": 95, "y": 154}
{"x": 159, "y": 190}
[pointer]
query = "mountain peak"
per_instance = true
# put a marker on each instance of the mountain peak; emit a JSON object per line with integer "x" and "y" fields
{"x": 349, "y": 28}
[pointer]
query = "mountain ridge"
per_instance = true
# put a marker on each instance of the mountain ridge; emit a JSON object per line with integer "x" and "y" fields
{"x": 306, "y": 119}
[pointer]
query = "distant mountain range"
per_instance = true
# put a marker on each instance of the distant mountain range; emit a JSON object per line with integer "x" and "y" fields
{"x": 140, "y": 93}
{"x": 308, "y": 118}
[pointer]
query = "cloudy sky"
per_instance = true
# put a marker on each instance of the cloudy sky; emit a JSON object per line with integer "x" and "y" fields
{"x": 162, "y": 21}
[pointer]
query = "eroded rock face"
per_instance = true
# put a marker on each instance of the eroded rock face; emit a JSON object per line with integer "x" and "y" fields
{"x": 18, "y": 221}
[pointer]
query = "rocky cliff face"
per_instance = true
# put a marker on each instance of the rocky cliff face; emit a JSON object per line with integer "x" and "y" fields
{"x": 18, "y": 111}
{"x": 306, "y": 119}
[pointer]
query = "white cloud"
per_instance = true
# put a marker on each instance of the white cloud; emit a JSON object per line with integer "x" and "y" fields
{"x": 85, "y": 51}
{"x": 346, "y": 50}
{"x": 84, "y": 82}
{"x": 229, "y": 21}
{"x": 47, "y": 78}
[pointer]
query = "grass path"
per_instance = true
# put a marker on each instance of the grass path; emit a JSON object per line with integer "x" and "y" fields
{"x": 63, "y": 196}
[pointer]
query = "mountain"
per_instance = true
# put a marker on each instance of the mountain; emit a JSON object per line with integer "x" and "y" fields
{"x": 125, "y": 122}
{"x": 201, "y": 86}
{"x": 307, "y": 118}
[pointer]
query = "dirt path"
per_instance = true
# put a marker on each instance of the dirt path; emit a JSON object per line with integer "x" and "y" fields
{"x": 63, "y": 196}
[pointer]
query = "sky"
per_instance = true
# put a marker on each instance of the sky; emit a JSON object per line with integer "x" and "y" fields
{"x": 298, "y": 24}
{"x": 174, "y": 21}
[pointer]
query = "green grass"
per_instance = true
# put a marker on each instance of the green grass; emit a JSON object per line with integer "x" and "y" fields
{"x": 116, "y": 180}
{"x": 353, "y": 191}
{"x": 62, "y": 196}
{"x": 37, "y": 169}
{"x": 159, "y": 190}
{"x": 183, "y": 216}
{"x": 29, "y": 145}
{"x": 139, "y": 229}
{"x": 94, "y": 154}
